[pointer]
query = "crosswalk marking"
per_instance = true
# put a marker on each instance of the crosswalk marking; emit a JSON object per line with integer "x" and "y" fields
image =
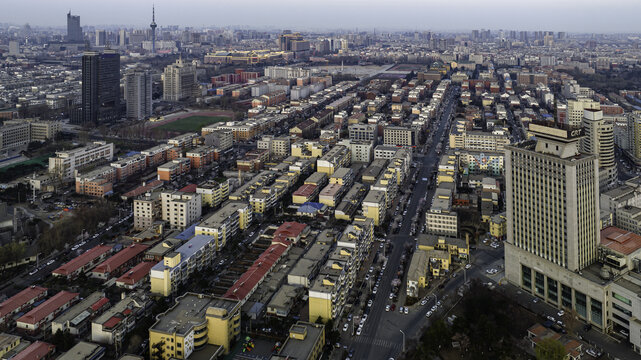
{"x": 378, "y": 342}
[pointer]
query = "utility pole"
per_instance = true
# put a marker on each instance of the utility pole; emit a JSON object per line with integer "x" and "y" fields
{"x": 403, "y": 339}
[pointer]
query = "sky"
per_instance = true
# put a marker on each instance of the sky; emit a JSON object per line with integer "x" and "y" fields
{"x": 588, "y": 16}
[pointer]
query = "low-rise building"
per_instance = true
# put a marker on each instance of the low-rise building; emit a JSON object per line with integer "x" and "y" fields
{"x": 305, "y": 342}
{"x": 347, "y": 208}
{"x": 177, "y": 266}
{"x": 41, "y": 316}
{"x": 118, "y": 263}
{"x": 20, "y": 302}
{"x": 135, "y": 276}
{"x": 84, "y": 350}
{"x": 83, "y": 263}
{"x": 194, "y": 321}
{"x": 129, "y": 166}
{"x": 112, "y": 326}
{"x": 456, "y": 247}
{"x": 98, "y": 182}
{"x": 200, "y": 156}
{"x": 305, "y": 193}
{"x": 417, "y": 273}
{"x": 36, "y": 350}
{"x": 77, "y": 319}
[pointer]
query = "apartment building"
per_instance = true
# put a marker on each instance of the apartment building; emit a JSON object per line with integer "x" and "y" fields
{"x": 147, "y": 209}
{"x": 200, "y": 156}
{"x": 129, "y": 166}
{"x": 65, "y": 163}
{"x": 305, "y": 342}
{"x": 41, "y": 316}
{"x": 171, "y": 170}
{"x": 83, "y": 263}
{"x": 76, "y": 320}
{"x": 339, "y": 156}
{"x": 178, "y": 265}
{"x": 214, "y": 192}
{"x": 180, "y": 209}
{"x": 398, "y": 135}
{"x": 117, "y": 321}
{"x": 194, "y": 321}
{"x": 226, "y": 222}
{"x": 15, "y": 136}
{"x": 118, "y": 263}
{"x": 98, "y": 182}
{"x": 374, "y": 206}
{"x": 440, "y": 219}
{"x": 307, "y": 149}
{"x": 329, "y": 291}
{"x": 20, "y": 302}
{"x": 363, "y": 132}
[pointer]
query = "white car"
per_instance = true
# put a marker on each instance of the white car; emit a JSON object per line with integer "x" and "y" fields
{"x": 387, "y": 307}
{"x": 32, "y": 272}
{"x": 423, "y": 302}
{"x": 369, "y": 303}
{"x": 407, "y": 310}
{"x": 51, "y": 262}
{"x": 560, "y": 313}
{"x": 438, "y": 303}
{"x": 359, "y": 331}
{"x": 345, "y": 327}
{"x": 391, "y": 296}
{"x": 429, "y": 313}
{"x": 467, "y": 266}
{"x": 375, "y": 290}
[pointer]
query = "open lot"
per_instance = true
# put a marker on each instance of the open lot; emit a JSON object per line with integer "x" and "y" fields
{"x": 192, "y": 123}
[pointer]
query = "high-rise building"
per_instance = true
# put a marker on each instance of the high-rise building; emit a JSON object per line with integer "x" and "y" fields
{"x": 74, "y": 31}
{"x": 122, "y": 38}
{"x": 153, "y": 30}
{"x": 179, "y": 81}
{"x": 100, "y": 86}
{"x": 552, "y": 198}
{"x": 599, "y": 140}
{"x": 138, "y": 94}
{"x": 575, "y": 110}
{"x": 101, "y": 38}
{"x": 14, "y": 48}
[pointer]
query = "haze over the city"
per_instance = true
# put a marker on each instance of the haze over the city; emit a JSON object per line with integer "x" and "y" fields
{"x": 571, "y": 15}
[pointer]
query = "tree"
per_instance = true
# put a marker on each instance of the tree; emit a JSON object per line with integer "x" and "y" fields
{"x": 63, "y": 340}
{"x": 550, "y": 349}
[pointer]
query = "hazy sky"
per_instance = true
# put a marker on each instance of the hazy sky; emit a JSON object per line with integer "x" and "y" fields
{"x": 555, "y": 15}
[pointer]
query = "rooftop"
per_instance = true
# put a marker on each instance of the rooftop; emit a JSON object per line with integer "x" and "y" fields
{"x": 301, "y": 349}
{"x": 245, "y": 285}
{"x": 37, "y": 350}
{"x": 21, "y": 298}
{"x": 221, "y": 215}
{"x": 48, "y": 307}
{"x": 82, "y": 260}
{"x": 305, "y": 190}
{"x": 190, "y": 310}
{"x": 83, "y": 350}
{"x": 619, "y": 240}
{"x": 80, "y": 311}
{"x": 137, "y": 273}
{"x": 120, "y": 258}
{"x": 187, "y": 250}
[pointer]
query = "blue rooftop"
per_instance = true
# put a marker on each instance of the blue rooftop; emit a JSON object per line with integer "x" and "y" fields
{"x": 187, "y": 234}
{"x": 310, "y": 207}
{"x": 188, "y": 249}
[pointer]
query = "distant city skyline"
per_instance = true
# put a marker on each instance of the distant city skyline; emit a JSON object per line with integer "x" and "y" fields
{"x": 589, "y": 16}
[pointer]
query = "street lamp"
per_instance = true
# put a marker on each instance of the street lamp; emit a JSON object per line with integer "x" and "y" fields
{"x": 403, "y": 339}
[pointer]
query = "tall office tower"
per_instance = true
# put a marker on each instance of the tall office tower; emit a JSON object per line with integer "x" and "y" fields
{"x": 523, "y": 36}
{"x": 552, "y": 193}
{"x": 14, "y": 48}
{"x": 74, "y": 31}
{"x": 153, "y": 30}
{"x": 286, "y": 38}
{"x": 599, "y": 140}
{"x": 634, "y": 133}
{"x": 179, "y": 81}
{"x": 122, "y": 38}
{"x": 101, "y": 38}
{"x": 475, "y": 34}
{"x": 575, "y": 110}
{"x": 100, "y": 86}
{"x": 138, "y": 94}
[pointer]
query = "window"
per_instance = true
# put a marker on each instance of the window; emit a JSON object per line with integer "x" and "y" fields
{"x": 622, "y": 299}
{"x": 580, "y": 303}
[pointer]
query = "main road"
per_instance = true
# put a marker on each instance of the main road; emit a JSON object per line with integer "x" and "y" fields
{"x": 381, "y": 338}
